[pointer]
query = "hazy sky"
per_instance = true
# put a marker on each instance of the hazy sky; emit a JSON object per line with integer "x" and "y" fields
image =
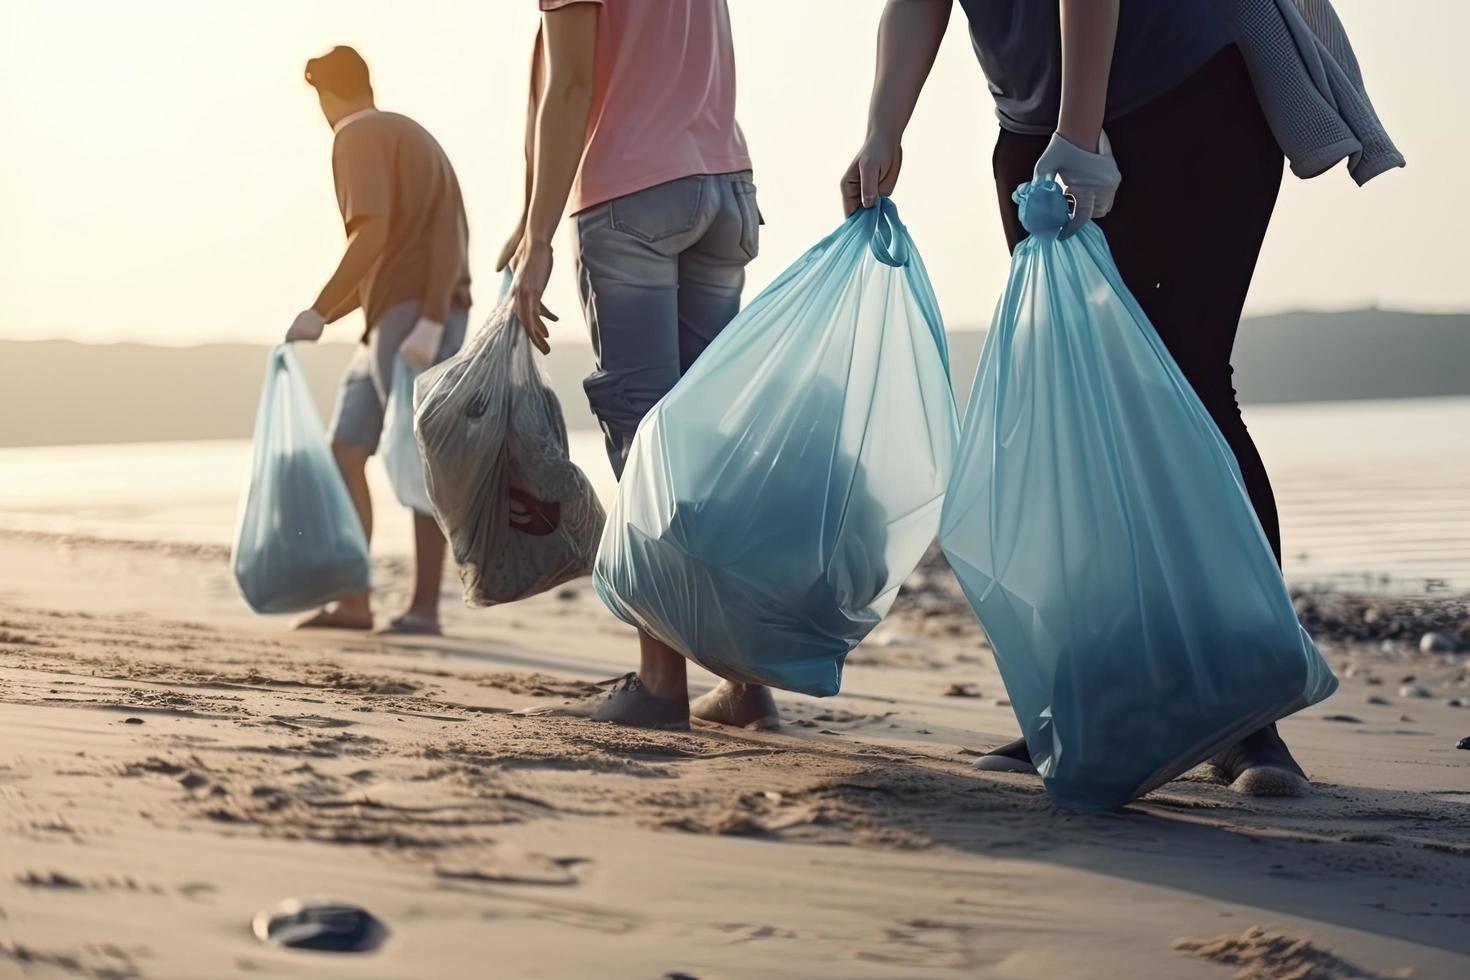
{"x": 166, "y": 177}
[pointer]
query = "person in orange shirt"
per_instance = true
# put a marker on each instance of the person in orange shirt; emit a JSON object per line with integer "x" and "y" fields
{"x": 407, "y": 268}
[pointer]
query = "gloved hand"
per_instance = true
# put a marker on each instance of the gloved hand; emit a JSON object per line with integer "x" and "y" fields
{"x": 1090, "y": 179}
{"x": 421, "y": 345}
{"x": 308, "y": 326}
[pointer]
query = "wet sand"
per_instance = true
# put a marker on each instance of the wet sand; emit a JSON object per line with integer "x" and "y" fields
{"x": 171, "y": 764}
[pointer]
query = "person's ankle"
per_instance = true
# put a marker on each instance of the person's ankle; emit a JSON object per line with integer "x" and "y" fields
{"x": 667, "y": 685}
{"x": 356, "y": 605}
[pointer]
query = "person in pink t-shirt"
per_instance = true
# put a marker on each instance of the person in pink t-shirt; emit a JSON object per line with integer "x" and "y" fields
{"x": 632, "y": 124}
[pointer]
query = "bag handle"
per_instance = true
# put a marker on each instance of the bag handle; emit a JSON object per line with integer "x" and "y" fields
{"x": 1041, "y": 205}
{"x": 888, "y": 239}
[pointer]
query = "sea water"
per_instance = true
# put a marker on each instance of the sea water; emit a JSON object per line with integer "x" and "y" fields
{"x": 1372, "y": 494}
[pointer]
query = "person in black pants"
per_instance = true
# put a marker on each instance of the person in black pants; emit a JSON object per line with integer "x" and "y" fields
{"x": 1146, "y": 112}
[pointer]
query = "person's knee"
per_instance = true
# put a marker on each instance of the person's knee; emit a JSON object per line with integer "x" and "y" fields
{"x": 351, "y": 459}
{"x": 620, "y": 403}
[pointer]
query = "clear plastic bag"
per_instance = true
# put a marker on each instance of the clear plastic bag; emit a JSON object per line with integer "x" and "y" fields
{"x": 299, "y": 543}
{"x": 775, "y": 500}
{"x": 1099, "y": 526}
{"x": 400, "y": 444}
{"x": 519, "y": 515}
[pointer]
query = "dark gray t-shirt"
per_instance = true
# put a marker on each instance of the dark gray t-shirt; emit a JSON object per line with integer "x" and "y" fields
{"x": 1160, "y": 44}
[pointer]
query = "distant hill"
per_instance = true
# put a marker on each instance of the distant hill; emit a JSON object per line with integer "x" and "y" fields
{"x": 59, "y": 392}
{"x": 56, "y": 392}
{"x": 1318, "y": 357}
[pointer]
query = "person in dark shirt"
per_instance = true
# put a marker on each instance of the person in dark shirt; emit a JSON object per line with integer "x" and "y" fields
{"x": 1145, "y": 112}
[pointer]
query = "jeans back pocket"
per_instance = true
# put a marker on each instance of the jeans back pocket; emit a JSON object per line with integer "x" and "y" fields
{"x": 661, "y": 211}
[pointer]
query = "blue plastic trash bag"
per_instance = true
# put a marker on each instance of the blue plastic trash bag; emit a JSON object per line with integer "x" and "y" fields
{"x": 300, "y": 543}
{"x": 519, "y": 515}
{"x": 1099, "y": 526}
{"x": 777, "y": 497}
{"x": 400, "y": 446}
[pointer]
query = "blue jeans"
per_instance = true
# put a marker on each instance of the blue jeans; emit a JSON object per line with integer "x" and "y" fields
{"x": 660, "y": 273}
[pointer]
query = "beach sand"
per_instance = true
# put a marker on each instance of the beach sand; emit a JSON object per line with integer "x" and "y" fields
{"x": 171, "y": 764}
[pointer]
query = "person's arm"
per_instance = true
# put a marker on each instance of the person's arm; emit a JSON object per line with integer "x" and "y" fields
{"x": 340, "y": 296}
{"x": 909, "y": 35}
{"x": 364, "y": 245}
{"x": 569, "y": 36}
{"x": 363, "y": 176}
{"x": 1079, "y": 153}
{"x": 352, "y": 303}
{"x": 533, "y": 100}
{"x": 1089, "y": 31}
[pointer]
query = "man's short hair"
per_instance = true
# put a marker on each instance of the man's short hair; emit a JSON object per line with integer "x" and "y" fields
{"x": 340, "y": 71}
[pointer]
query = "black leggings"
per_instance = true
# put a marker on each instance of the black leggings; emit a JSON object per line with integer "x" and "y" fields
{"x": 1200, "y": 176}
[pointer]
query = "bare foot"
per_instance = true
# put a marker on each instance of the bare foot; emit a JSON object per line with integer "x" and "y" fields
{"x": 739, "y": 705}
{"x": 336, "y": 616}
{"x": 412, "y": 623}
{"x": 1261, "y": 765}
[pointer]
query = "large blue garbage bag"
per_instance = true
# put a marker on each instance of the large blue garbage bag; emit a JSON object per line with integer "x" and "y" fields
{"x": 300, "y": 543}
{"x": 1099, "y": 526}
{"x": 777, "y": 497}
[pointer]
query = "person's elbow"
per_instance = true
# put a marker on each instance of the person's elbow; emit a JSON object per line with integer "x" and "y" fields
{"x": 568, "y": 90}
{"x": 370, "y": 235}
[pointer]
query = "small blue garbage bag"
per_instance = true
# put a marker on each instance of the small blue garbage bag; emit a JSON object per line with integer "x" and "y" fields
{"x": 300, "y": 543}
{"x": 1099, "y": 526}
{"x": 400, "y": 446}
{"x": 777, "y": 497}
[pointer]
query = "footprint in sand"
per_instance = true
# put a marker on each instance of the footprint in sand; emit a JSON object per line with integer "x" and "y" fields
{"x": 311, "y": 721}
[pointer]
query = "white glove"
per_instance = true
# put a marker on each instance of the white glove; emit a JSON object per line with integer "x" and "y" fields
{"x": 421, "y": 346}
{"x": 308, "y": 326}
{"x": 1090, "y": 179}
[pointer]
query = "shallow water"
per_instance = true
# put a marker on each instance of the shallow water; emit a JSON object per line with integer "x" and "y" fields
{"x": 1373, "y": 494}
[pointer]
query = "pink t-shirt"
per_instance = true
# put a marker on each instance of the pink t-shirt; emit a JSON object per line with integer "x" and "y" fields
{"x": 663, "y": 102}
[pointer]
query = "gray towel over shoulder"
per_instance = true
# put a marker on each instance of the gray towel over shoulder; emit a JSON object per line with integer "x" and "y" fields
{"x": 1310, "y": 86}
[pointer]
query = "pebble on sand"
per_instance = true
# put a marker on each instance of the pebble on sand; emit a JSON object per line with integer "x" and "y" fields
{"x": 1437, "y": 642}
{"x": 1414, "y": 691}
{"x": 320, "y": 924}
{"x": 1463, "y": 743}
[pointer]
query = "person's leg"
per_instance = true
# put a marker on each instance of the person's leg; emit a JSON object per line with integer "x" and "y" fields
{"x": 1186, "y": 233}
{"x": 353, "y": 432}
{"x": 1205, "y": 144}
{"x": 628, "y": 274}
{"x": 429, "y": 546}
{"x": 711, "y": 279}
{"x": 428, "y": 579}
{"x": 1191, "y": 271}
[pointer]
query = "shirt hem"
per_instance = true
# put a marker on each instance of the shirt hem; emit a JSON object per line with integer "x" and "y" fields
{"x": 1114, "y": 113}
{"x": 610, "y": 192}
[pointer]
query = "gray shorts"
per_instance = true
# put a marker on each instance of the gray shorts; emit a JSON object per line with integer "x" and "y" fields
{"x": 357, "y": 419}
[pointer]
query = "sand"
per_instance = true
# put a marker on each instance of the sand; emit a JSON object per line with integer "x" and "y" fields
{"x": 170, "y": 765}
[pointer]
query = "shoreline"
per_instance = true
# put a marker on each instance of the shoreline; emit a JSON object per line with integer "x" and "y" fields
{"x": 173, "y": 764}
